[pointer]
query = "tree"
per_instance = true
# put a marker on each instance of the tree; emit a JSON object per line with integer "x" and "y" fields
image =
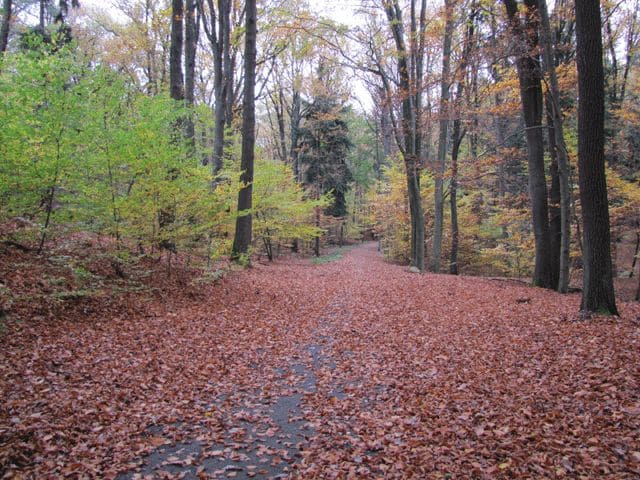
{"x": 408, "y": 145}
{"x": 4, "y": 26}
{"x": 559, "y": 148}
{"x": 323, "y": 145}
{"x": 176, "y": 79}
{"x": 217, "y": 27}
{"x": 190, "y": 49}
{"x": 597, "y": 294}
{"x": 242, "y": 238}
{"x": 457, "y": 136}
{"x": 445, "y": 83}
{"x": 529, "y": 76}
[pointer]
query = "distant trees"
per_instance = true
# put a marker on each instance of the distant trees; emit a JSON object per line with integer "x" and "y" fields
{"x": 597, "y": 294}
{"x": 456, "y": 110}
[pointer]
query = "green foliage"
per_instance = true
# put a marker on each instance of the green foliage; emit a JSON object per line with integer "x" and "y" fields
{"x": 84, "y": 150}
{"x": 331, "y": 257}
{"x": 391, "y": 214}
{"x": 324, "y": 145}
{"x": 281, "y": 210}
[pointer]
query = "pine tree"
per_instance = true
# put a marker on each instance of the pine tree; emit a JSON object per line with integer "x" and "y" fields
{"x": 323, "y": 145}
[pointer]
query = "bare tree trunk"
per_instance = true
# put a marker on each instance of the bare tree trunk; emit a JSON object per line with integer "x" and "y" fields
{"x": 555, "y": 223}
{"x": 531, "y": 95}
{"x": 4, "y": 26}
{"x": 219, "y": 86}
{"x": 217, "y": 31}
{"x": 242, "y": 238}
{"x": 458, "y": 135}
{"x": 42, "y": 15}
{"x": 190, "y": 47}
{"x": 176, "y": 80}
{"x": 295, "y": 118}
{"x": 408, "y": 151}
{"x": 597, "y": 292}
{"x": 560, "y": 151}
{"x": 441, "y": 161}
{"x": 635, "y": 255}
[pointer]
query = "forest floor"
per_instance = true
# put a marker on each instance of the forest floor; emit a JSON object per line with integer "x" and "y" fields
{"x": 354, "y": 368}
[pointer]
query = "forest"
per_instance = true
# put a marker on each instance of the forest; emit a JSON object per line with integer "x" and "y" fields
{"x": 319, "y": 239}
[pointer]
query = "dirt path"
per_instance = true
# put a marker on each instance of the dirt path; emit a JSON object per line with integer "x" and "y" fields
{"x": 355, "y": 368}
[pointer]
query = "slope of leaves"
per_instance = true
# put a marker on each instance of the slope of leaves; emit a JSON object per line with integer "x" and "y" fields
{"x": 440, "y": 377}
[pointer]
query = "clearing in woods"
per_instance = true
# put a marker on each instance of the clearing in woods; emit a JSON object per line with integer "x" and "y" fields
{"x": 352, "y": 368}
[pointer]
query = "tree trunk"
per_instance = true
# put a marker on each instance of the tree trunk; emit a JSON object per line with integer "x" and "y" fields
{"x": 445, "y": 81}
{"x": 559, "y": 150}
{"x": 176, "y": 80}
{"x": 217, "y": 32}
{"x": 408, "y": 150}
{"x": 295, "y": 117}
{"x": 42, "y": 15}
{"x": 597, "y": 291}
{"x": 455, "y": 231}
{"x": 242, "y": 238}
{"x": 190, "y": 47}
{"x": 635, "y": 255}
{"x": 458, "y": 134}
{"x": 555, "y": 220}
{"x": 4, "y": 26}
{"x": 531, "y": 95}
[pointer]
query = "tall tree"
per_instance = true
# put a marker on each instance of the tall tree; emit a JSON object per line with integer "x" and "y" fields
{"x": 559, "y": 149}
{"x": 597, "y": 292}
{"x": 176, "y": 79}
{"x": 408, "y": 145}
{"x": 217, "y": 27}
{"x": 525, "y": 34}
{"x": 457, "y": 136}
{"x": 323, "y": 147}
{"x": 191, "y": 34}
{"x": 445, "y": 83}
{"x": 242, "y": 238}
{"x": 4, "y": 26}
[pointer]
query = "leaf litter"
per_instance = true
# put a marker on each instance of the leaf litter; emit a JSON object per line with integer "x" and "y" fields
{"x": 350, "y": 369}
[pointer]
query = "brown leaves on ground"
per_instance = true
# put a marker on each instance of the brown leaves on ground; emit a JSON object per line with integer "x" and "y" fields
{"x": 441, "y": 377}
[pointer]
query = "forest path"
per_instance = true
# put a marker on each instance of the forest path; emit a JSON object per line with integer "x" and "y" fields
{"x": 355, "y": 368}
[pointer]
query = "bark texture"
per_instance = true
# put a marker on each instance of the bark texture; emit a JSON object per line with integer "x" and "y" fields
{"x": 176, "y": 79}
{"x": 4, "y": 26}
{"x": 445, "y": 81}
{"x": 408, "y": 144}
{"x": 242, "y": 238}
{"x": 597, "y": 292}
{"x": 558, "y": 152}
{"x": 529, "y": 76}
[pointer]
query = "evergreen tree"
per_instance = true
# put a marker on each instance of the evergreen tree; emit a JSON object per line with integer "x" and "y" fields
{"x": 323, "y": 145}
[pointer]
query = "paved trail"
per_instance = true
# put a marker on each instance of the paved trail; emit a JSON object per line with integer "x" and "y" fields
{"x": 351, "y": 369}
